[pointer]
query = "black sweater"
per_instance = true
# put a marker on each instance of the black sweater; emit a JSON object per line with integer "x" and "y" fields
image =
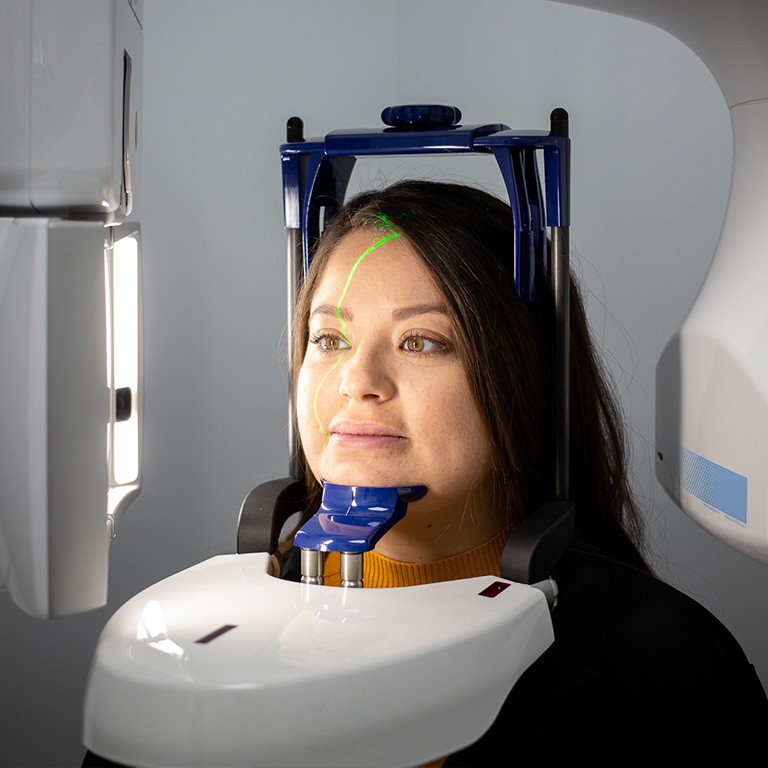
{"x": 639, "y": 674}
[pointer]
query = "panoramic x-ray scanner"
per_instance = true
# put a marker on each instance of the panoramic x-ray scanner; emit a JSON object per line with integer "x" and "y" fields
{"x": 228, "y": 646}
{"x": 215, "y": 665}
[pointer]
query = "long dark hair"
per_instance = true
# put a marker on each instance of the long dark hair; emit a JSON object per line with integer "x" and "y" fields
{"x": 464, "y": 236}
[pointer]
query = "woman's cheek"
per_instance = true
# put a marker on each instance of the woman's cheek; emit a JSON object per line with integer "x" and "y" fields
{"x": 303, "y": 406}
{"x": 309, "y": 411}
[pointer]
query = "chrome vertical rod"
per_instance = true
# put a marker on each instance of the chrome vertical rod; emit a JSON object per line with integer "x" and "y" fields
{"x": 295, "y": 279}
{"x": 351, "y": 569}
{"x": 312, "y": 567}
{"x": 561, "y": 289}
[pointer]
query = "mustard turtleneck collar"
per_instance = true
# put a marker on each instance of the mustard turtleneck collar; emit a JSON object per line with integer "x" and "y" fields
{"x": 380, "y": 571}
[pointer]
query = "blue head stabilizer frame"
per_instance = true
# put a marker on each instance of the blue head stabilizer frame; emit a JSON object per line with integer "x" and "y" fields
{"x": 316, "y": 174}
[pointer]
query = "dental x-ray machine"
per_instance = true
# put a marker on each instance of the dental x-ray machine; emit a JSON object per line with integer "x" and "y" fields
{"x": 231, "y": 648}
{"x": 320, "y": 644}
{"x": 217, "y": 664}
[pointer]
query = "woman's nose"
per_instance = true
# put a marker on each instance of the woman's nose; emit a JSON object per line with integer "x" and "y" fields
{"x": 366, "y": 374}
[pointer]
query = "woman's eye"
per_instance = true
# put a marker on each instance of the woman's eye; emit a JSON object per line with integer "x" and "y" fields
{"x": 332, "y": 343}
{"x": 329, "y": 342}
{"x": 422, "y": 344}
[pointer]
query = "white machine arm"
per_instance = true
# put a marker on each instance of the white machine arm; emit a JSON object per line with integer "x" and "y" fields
{"x": 70, "y": 296}
{"x": 712, "y": 378}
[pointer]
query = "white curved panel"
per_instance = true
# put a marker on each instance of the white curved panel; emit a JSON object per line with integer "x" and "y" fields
{"x": 712, "y": 378}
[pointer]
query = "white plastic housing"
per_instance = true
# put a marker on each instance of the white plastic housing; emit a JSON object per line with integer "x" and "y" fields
{"x": 712, "y": 378}
{"x": 57, "y": 412}
{"x": 71, "y": 85}
{"x": 225, "y": 665}
{"x": 729, "y": 36}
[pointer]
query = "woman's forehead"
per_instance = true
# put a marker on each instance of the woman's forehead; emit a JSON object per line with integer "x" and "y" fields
{"x": 377, "y": 261}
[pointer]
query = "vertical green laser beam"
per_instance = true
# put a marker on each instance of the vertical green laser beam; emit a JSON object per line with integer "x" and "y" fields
{"x": 343, "y": 323}
{"x": 323, "y": 430}
{"x": 352, "y": 271}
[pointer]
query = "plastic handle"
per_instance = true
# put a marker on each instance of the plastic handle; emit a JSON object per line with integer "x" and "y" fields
{"x": 420, "y": 116}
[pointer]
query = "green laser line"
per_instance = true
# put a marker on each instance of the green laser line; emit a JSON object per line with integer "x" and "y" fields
{"x": 343, "y": 323}
{"x": 352, "y": 271}
{"x": 323, "y": 430}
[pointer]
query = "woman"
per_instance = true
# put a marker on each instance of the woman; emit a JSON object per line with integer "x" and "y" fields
{"x": 416, "y": 363}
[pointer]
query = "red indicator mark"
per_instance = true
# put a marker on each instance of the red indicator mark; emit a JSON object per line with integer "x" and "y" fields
{"x": 494, "y": 589}
{"x": 216, "y": 633}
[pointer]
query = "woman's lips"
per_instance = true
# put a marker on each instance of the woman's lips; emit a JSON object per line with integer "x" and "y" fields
{"x": 365, "y": 436}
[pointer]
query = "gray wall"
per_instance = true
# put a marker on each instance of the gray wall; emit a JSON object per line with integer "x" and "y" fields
{"x": 651, "y": 167}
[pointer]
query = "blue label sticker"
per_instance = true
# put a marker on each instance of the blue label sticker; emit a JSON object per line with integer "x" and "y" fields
{"x": 718, "y": 487}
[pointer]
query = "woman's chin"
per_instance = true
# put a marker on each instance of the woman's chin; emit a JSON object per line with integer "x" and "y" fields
{"x": 368, "y": 479}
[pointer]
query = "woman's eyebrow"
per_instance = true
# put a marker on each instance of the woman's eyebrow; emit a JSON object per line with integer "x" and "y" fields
{"x": 332, "y": 310}
{"x": 403, "y": 313}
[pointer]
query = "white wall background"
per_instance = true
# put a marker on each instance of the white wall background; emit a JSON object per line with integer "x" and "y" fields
{"x": 651, "y": 168}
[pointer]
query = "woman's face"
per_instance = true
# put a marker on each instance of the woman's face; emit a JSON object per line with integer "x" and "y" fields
{"x": 382, "y": 397}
